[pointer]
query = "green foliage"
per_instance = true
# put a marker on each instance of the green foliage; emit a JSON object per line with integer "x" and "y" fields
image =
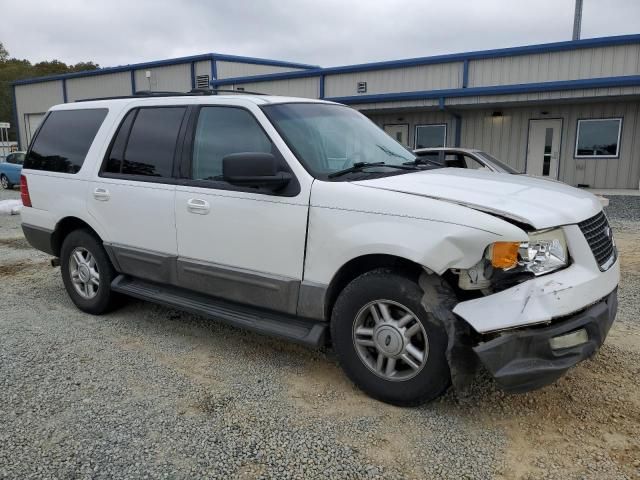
{"x": 4, "y": 55}
{"x": 12, "y": 69}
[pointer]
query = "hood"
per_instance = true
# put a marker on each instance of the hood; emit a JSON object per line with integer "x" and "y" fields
{"x": 535, "y": 201}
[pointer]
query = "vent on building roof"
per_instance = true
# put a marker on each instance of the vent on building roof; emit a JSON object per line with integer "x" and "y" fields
{"x": 362, "y": 87}
{"x": 202, "y": 81}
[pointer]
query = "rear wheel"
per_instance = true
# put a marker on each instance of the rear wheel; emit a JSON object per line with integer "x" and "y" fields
{"x": 87, "y": 272}
{"x": 387, "y": 343}
{"x": 4, "y": 182}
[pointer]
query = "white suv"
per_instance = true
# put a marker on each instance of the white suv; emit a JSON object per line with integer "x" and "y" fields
{"x": 302, "y": 219}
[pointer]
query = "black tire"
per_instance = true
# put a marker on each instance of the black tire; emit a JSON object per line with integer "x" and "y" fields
{"x": 104, "y": 299}
{"x": 5, "y": 183}
{"x": 384, "y": 284}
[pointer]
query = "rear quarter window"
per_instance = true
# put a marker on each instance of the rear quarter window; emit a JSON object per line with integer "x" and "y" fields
{"x": 63, "y": 140}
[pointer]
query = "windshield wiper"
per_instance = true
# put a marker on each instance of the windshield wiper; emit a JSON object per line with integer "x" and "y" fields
{"x": 359, "y": 166}
{"x": 424, "y": 161}
{"x": 356, "y": 167}
{"x": 389, "y": 152}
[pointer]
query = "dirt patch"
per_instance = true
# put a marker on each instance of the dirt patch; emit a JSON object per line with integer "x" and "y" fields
{"x": 15, "y": 268}
{"x": 585, "y": 425}
{"x": 322, "y": 387}
{"x": 629, "y": 248}
{"x": 322, "y": 390}
{"x": 18, "y": 243}
{"x": 251, "y": 470}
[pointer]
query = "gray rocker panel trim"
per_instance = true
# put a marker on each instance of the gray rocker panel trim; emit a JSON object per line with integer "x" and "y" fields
{"x": 273, "y": 292}
{"x": 245, "y": 286}
{"x": 311, "y": 300}
{"x": 154, "y": 266}
{"x": 259, "y": 289}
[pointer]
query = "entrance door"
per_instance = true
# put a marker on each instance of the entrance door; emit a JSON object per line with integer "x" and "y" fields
{"x": 399, "y": 131}
{"x": 543, "y": 151}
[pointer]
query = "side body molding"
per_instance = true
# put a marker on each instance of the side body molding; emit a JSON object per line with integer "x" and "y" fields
{"x": 259, "y": 289}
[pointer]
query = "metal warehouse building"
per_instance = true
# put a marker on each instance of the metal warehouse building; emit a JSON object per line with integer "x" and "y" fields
{"x": 567, "y": 110}
{"x": 33, "y": 97}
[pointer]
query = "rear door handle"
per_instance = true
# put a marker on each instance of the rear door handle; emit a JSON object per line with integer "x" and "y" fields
{"x": 199, "y": 206}
{"x": 101, "y": 194}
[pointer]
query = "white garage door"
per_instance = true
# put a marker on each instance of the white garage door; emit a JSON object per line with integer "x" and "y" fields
{"x": 32, "y": 121}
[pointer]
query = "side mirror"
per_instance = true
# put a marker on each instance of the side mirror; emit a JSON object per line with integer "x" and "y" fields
{"x": 253, "y": 169}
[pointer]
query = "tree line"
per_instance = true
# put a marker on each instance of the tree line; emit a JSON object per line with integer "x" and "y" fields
{"x": 12, "y": 69}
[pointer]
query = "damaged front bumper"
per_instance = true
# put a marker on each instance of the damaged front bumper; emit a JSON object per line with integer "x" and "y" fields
{"x": 525, "y": 359}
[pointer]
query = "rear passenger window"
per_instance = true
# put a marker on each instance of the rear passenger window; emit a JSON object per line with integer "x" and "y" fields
{"x": 222, "y": 131}
{"x": 146, "y": 142}
{"x": 63, "y": 140}
{"x": 114, "y": 159}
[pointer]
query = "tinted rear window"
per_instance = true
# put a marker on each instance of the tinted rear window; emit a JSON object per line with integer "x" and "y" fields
{"x": 116, "y": 153}
{"x": 150, "y": 144}
{"x": 63, "y": 140}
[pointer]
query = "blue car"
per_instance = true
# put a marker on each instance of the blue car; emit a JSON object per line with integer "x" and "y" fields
{"x": 10, "y": 170}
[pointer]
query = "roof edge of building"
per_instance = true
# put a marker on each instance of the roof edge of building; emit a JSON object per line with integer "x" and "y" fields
{"x": 446, "y": 58}
{"x": 162, "y": 63}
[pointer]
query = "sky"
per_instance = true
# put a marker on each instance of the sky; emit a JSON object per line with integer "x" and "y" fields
{"x": 320, "y": 32}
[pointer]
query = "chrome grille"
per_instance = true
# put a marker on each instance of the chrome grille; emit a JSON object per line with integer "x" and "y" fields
{"x": 600, "y": 238}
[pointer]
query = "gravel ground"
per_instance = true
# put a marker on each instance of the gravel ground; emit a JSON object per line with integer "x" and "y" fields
{"x": 148, "y": 392}
{"x": 624, "y": 208}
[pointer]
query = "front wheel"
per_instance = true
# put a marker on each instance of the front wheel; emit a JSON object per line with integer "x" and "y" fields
{"x": 87, "y": 272}
{"x": 4, "y": 182}
{"x": 387, "y": 343}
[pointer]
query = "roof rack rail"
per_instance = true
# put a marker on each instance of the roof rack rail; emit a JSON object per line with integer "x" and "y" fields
{"x": 192, "y": 93}
{"x": 214, "y": 91}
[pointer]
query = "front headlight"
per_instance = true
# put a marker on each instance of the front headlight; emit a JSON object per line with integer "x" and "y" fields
{"x": 544, "y": 252}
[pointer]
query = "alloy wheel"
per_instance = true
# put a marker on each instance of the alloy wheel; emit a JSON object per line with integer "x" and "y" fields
{"x": 390, "y": 340}
{"x": 84, "y": 272}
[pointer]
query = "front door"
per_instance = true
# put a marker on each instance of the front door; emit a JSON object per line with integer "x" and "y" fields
{"x": 238, "y": 243}
{"x": 543, "y": 151}
{"x": 399, "y": 131}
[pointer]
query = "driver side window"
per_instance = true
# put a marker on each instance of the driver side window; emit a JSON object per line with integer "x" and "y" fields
{"x": 221, "y": 131}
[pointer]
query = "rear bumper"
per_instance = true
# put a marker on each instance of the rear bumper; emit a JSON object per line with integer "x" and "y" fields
{"x": 523, "y": 360}
{"x": 39, "y": 238}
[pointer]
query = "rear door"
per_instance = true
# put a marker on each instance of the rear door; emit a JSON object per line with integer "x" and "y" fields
{"x": 238, "y": 243}
{"x": 133, "y": 195}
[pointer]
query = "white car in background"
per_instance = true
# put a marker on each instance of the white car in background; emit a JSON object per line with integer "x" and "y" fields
{"x": 302, "y": 219}
{"x": 455, "y": 157}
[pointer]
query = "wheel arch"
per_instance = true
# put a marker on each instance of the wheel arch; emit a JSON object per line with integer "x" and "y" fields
{"x": 360, "y": 265}
{"x": 64, "y": 227}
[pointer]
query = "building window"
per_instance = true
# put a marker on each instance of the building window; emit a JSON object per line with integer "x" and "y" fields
{"x": 598, "y": 138}
{"x": 428, "y": 136}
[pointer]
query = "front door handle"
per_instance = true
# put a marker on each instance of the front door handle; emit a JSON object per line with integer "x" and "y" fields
{"x": 101, "y": 194}
{"x": 199, "y": 206}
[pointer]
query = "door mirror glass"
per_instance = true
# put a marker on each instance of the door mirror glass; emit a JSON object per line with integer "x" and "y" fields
{"x": 253, "y": 169}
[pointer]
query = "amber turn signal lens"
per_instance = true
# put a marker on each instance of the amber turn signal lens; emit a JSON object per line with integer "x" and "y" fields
{"x": 505, "y": 254}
